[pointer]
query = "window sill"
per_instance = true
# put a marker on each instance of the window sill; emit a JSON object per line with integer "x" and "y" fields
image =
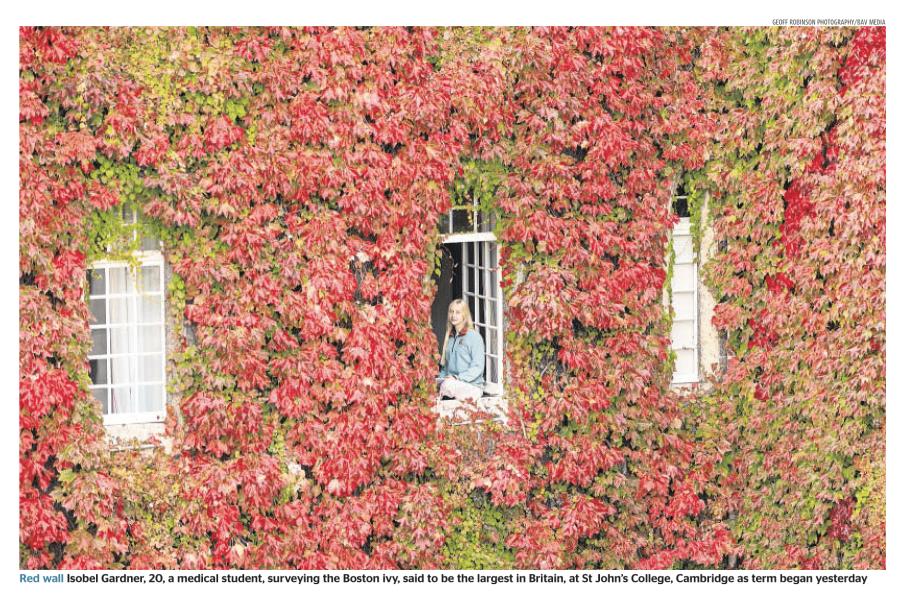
{"x": 483, "y": 409}
{"x": 685, "y": 387}
{"x": 145, "y": 435}
{"x": 459, "y": 237}
{"x": 134, "y": 419}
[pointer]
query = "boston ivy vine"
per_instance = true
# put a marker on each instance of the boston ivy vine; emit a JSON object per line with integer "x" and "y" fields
{"x": 297, "y": 177}
{"x": 797, "y": 186}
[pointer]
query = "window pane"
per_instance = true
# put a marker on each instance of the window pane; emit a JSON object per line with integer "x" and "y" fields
{"x": 683, "y": 278}
{"x": 120, "y": 340}
{"x": 98, "y": 342}
{"x": 492, "y": 341}
{"x": 121, "y": 370}
{"x": 151, "y": 309}
{"x": 149, "y": 243}
{"x": 102, "y": 395}
{"x": 150, "y": 339}
{"x": 685, "y": 364}
{"x": 121, "y": 311}
{"x": 97, "y": 278}
{"x": 486, "y": 222}
{"x": 122, "y": 401}
{"x": 444, "y": 223}
{"x": 683, "y": 248}
{"x": 462, "y": 221}
{"x": 119, "y": 282}
{"x": 98, "y": 371}
{"x": 150, "y": 369}
{"x": 150, "y": 278}
{"x": 683, "y": 306}
{"x": 483, "y": 281}
{"x": 491, "y": 375}
{"x": 98, "y": 311}
{"x": 150, "y": 398}
{"x": 683, "y": 334}
{"x": 492, "y": 308}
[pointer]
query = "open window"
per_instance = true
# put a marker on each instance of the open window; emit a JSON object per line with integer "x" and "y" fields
{"x": 470, "y": 269}
{"x": 128, "y": 352}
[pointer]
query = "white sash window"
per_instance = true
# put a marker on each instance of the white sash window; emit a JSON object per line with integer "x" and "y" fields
{"x": 471, "y": 236}
{"x": 685, "y": 306}
{"x": 127, "y": 357}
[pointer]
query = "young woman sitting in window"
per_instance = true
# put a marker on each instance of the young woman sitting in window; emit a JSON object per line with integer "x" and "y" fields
{"x": 462, "y": 361}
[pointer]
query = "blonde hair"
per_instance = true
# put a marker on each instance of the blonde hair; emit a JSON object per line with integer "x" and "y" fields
{"x": 467, "y": 325}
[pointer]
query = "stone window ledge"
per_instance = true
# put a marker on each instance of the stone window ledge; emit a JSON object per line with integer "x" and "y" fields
{"x": 482, "y": 409}
{"x": 149, "y": 435}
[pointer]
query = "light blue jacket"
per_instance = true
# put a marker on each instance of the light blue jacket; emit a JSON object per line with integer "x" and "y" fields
{"x": 465, "y": 358}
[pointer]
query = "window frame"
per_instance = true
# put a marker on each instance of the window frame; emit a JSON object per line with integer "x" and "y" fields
{"x": 479, "y": 240}
{"x": 683, "y": 229}
{"x": 478, "y": 220}
{"x": 142, "y": 258}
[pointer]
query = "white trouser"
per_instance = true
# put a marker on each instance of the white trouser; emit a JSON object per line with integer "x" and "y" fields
{"x": 459, "y": 389}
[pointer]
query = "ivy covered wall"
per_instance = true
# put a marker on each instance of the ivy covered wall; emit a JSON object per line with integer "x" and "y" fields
{"x": 296, "y": 178}
{"x": 796, "y": 178}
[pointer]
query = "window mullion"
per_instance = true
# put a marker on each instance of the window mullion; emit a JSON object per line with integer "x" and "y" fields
{"x": 499, "y": 318}
{"x": 476, "y": 285}
{"x": 486, "y": 301}
{"x": 465, "y": 271}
